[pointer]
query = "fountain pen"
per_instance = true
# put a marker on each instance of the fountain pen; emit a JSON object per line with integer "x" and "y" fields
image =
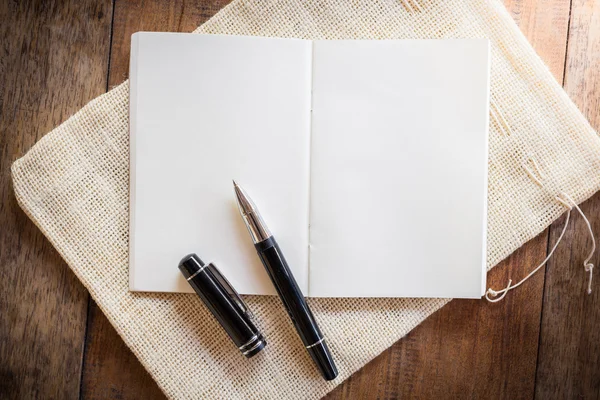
{"x": 290, "y": 294}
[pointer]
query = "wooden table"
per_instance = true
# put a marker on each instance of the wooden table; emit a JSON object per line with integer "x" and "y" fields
{"x": 542, "y": 341}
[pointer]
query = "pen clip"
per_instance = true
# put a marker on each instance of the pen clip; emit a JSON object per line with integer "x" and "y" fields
{"x": 233, "y": 294}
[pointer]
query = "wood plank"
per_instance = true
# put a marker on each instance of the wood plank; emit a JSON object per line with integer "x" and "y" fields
{"x": 472, "y": 348}
{"x": 111, "y": 371}
{"x": 569, "y": 357}
{"x": 53, "y": 59}
{"x": 545, "y": 24}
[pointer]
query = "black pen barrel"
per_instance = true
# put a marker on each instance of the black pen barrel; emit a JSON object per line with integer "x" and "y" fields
{"x": 296, "y": 306}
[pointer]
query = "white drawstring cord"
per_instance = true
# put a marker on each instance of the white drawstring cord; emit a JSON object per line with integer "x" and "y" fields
{"x": 494, "y": 293}
{"x": 587, "y": 265}
{"x": 491, "y": 294}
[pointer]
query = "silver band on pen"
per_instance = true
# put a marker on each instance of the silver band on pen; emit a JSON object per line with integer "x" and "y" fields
{"x": 252, "y": 339}
{"x": 197, "y": 272}
{"x": 251, "y": 349}
{"x": 316, "y": 343}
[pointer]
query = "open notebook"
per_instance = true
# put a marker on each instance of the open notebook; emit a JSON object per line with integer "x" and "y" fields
{"x": 367, "y": 159}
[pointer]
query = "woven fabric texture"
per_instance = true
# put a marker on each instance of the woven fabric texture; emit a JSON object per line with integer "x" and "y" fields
{"x": 74, "y": 185}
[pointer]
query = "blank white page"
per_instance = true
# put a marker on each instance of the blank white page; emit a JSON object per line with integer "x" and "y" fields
{"x": 399, "y": 168}
{"x": 205, "y": 110}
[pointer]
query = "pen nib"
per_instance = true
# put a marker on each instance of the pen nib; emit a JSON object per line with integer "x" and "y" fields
{"x": 244, "y": 202}
{"x": 256, "y": 226}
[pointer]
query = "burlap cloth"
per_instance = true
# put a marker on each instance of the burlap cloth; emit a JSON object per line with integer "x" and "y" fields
{"x": 74, "y": 185}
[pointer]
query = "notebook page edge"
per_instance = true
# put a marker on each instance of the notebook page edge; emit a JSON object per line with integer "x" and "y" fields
{"x": 487, "y": 147}
{"x": 310, "y": 125}
{"x": 132, "y": 128}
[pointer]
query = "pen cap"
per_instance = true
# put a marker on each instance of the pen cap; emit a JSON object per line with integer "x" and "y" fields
{"x": 224, "y": 303}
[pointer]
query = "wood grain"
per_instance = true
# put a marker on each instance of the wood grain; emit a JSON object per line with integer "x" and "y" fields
{"x": 110, "y": 370}
{"x": 569, "y": 357}
{"x": 473, "y": 349}
{"x": 53, "y": 59}
{"x": 545, "y": 24}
